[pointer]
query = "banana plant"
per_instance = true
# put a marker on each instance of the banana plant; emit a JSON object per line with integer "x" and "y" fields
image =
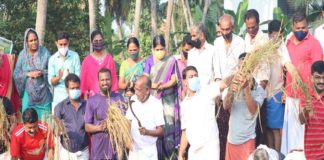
{"x": 239, "y": 16}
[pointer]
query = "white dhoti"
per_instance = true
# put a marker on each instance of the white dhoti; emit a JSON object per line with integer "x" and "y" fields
{"x": 80, "y": 155}
{"x": 145, "y": 153}
{"x": 292, "y": 131}
{"x": 5, "y": 156}
{"x": 210, "y": 151}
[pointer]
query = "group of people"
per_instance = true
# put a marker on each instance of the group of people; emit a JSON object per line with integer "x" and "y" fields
{"x": 195, "y": 105}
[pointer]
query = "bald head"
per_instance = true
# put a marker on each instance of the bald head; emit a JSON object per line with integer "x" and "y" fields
{"x": 142, "y": 88}
{"x": 226, "y": 19}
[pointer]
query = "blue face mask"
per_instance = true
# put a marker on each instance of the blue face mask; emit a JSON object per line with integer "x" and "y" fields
{"x": 194, "y": 84}
{"x": 300, "y": 35}
{"x": 75, "y": 94}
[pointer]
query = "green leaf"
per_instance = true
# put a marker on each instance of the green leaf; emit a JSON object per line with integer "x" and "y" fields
{"x": 241, "y": 10}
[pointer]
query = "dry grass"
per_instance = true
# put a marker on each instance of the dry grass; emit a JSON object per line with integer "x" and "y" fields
{"x": 4, "y": 126}
{"x": 118, "y": 128}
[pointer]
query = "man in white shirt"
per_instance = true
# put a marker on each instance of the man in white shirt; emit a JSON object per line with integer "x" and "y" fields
{"x": 254, "y": 38}
{"x": 319, "y": 31}
{"x": 228, "y": 48}
{"x": 198, "y": 121}
{"x": 147, "y": 121}
{"x": 202, "y": 55}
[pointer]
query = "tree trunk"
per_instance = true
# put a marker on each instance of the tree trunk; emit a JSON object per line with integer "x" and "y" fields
{"x": 41, "y": 20}
{"x": 92, "y": 19}
{"x": 207, "y": 3}
{"x": 120, "y": 36}
{"x": 174, "y": 30}
{"x": 189, "y": 12}
{"x": 168, "y": 23}
{"x": 185, "y": 12}
{"x": 138, "y": 7}
{"x": 153, "y": 18}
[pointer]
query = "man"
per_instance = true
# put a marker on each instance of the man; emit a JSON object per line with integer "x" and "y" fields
{"x": 244, "y": 108}
{"x": 303, "y": 50}
{"x": 228, "y": 48}
{"x": 186, "y": 46}
{"x": 31, "y": 139}
{"x": 253, "y": 39}
{"x": 71, "y": 112}
{"x": 63, "y": 62}
{"x": 148, "y": 111}
{"x": 198, "y": 121}
{"x": 95, "y": 115}
{"x": 201, "y": 56}
{"x": 10, "y": 117}
{"x": 319, "y": 31}
{"x": 314, "y": 129}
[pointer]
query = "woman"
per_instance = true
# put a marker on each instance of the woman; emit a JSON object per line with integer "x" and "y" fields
{"x": 30, "y": 75}
{"x": 93, "y": 63}
{"x": 130, "y": 68}
{"x": 163, "y": 71}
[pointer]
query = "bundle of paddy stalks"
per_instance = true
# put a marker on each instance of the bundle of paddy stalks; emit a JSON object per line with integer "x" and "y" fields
{"x": 118, "y": 129}
{"x": 299, "y": 85}
{"x": 4, "y": 126}
{"x": 264, "y": 54}
{"x": 57, "y": 131}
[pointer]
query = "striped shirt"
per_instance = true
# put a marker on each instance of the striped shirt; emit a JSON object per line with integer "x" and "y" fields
{"x": 314, "y": 132}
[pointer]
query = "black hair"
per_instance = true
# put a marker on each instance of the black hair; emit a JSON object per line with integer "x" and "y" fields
{"x": 158, "y": 40}
{"x": 30, "y": 116}
{"x": 94, "y": 33}
{"x": 274, "y": 26}
{"x": 104, "y": 70}
{"x": 318, "y": 67}
{"x": 189, "y": 68}
{"x": 62, "y": 35}
{"x": 187, "y": 40}
{"x": 134, "y": 41}
{"x": 31, "y": 32}
{"x": 71, "y": 78}
{"x": 252, "y": 13}
{"x": 299, "y": 16}
{"x": 242, "y": 56}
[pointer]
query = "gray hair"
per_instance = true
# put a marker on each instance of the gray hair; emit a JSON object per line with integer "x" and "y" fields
{"x": 226, "y": 16}
{"x": 261, "y": 154}
{"x": 198, "y": 27}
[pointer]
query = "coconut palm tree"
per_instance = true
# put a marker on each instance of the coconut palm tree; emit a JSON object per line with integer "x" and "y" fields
{"x": 41, "y": 20}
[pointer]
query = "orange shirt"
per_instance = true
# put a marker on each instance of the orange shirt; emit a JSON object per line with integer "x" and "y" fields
{"x": 28, "y": 147}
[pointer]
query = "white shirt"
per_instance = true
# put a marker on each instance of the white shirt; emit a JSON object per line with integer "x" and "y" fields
{"x": 227, "y": 61}
{"x": 198, "y": 116}
{"x": 276, "y": 74}
{"x": 150, "y": 114}
{"x": 202, "y": 59}
{"x": 250, "y": 44}
{"x": 319, "y": 35}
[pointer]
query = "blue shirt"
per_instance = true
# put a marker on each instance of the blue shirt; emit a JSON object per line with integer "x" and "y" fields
{"x": 73, "y": 121}
{"x": 71, "y": 63}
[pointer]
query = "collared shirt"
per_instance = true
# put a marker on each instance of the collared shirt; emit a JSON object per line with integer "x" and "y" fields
{"x": 319, "y": 35}
{"x": 276, "y": 80}
{"x": 259, "y": 39}
{"x": 202, "y": 59}
{"x": 71, "y": 64}
{"x": 314, "y": 131}
{"x": 96, "y": 112}
{"x": 198, "y": 116}
{"x": 150, "y": 114}
{"x": 34, "y": 147}
{"x": 227, "y": 61}
{"x": 241, "y": 122}
{"x": 73, "y": 121}
{"x": 303, "y": 55}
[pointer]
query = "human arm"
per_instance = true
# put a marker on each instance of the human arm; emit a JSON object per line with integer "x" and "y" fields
{"x": 168, "y": 84}
{"x": 183, "y": 145}
{"x": 229, "y": 98}
{"x": 157, "y": 132}
{"x": 91, "y": 128}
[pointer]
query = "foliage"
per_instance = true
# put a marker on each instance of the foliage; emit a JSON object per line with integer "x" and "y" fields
{"x": 239, "y": 16}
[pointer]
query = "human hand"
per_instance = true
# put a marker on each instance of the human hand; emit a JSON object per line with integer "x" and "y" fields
{"x": 143, "y": 131}
{"x": 60, "y": 73}
{"x": 102, "y": 126}
{"x": 156, "y": 85}
{"x": 34, "y": 74}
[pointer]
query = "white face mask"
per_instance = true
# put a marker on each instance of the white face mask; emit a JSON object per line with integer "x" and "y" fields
{"x": 63, "y": 50}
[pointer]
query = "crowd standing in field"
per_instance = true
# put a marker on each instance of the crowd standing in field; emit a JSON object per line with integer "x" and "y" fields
{"x": 197, "y": 105}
